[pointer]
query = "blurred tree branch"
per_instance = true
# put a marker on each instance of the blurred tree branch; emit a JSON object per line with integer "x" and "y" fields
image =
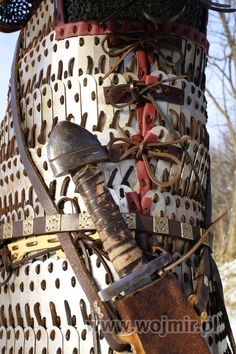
{"x": 224, "y": 158}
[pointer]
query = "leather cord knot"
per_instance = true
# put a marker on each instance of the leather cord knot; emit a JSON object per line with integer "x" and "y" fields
{"x": 145, "y": 150}
{"x": 140, "y": 150}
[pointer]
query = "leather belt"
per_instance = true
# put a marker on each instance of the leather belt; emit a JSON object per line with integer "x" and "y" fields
{"x": 49, "y": 206}
{"x": 59, "y": 223}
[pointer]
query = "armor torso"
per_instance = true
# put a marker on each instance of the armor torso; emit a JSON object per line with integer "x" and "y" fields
{"x": 64, "y": 65}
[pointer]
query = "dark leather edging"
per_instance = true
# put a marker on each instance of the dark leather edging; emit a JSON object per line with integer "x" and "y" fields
{"x": 89, "y": 28}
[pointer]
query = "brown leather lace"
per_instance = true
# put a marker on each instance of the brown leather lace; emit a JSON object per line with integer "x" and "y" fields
{"x": 138, "y": 93}
{"x": 144, "y": 150}
{"x": 130, "y": 42}
{"x": 195, "y": 246}
{"x": 169, "y": 124}
{"x": 145, "y": 93}
{"x": 215, "y": 6}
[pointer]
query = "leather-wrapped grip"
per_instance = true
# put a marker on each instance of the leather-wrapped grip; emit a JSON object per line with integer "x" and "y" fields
{"x": 117, "y": 240}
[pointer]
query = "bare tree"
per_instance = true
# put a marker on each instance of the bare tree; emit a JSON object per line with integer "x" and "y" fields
{"x": 222, "y": 65}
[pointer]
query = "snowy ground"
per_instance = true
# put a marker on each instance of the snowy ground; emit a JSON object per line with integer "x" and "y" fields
{"x": 228, "y": 276}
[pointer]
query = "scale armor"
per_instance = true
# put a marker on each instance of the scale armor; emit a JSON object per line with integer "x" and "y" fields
{"x": 64, "y": 63}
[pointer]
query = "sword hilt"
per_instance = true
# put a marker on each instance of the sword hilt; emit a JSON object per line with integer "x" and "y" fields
{"x": 116, "y": 238}
{"x": 72, "y": 149}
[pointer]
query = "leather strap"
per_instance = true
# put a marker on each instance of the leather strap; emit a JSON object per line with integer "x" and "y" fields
{"x": 49, "y": 206}
{"x": 124, "y": 93}
{"x": 200, "y": 298}
{"x": 60, "y": 223}
{"x": 133, "y": 202}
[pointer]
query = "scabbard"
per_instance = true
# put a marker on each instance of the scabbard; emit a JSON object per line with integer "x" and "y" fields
{"x": 162, "y": 318}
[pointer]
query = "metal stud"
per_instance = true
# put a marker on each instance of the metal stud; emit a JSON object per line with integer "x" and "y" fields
{"x": 130, "y": 220}
{"x": 7, "y": 230}
{"x": 28, "y": 227}
{"x": 85, "y": 222}
{"x": 161, "y": 226}
{"x": 53, "y": 223}
{"x": 186, "y": 231}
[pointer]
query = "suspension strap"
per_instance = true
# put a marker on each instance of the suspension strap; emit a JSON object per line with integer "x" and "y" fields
{"x": 50, "y": 208}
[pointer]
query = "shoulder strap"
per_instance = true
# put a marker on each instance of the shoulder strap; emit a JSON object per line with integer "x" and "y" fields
{"x": 50, "y": 208}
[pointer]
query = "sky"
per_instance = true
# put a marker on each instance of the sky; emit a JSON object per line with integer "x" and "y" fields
{"x": 7, "y": 47}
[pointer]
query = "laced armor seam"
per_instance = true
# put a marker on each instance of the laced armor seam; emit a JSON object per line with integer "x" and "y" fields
{"x": 143, "y": 151}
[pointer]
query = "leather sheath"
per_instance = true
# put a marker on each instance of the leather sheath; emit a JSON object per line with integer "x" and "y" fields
{"x": 151, "y": 307}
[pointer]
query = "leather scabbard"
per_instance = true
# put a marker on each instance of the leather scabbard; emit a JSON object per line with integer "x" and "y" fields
{"x": 49, "y": 206}
{"x": 163, "y": 319}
